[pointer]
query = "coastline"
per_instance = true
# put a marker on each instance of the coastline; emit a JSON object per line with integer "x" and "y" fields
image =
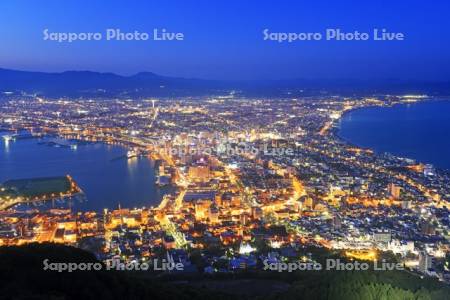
{"x": 336, "y": 130}
{"x": 92, "y": 192}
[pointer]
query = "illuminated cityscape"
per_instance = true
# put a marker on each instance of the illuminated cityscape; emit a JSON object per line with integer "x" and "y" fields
{"x": 225, "y": 150}
{"x": 248, "y": 175}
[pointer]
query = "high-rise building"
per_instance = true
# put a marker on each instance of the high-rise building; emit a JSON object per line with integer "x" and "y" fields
{"x": 200, "y": 173}
{"x": 213, "y": 214}
{"x": 382, "y": 236}
{"x": 428, "y": 170}
{"x": 257, "y": 212}
{"x": 337, "y": 222}
{"x": 427, "y": 227}
{"x": 425, "y": 261}
{"x": 394, "y": 190}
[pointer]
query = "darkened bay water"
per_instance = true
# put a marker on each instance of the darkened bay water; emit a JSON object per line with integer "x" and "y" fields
{"x": 420, "y": 131}
{"x": 106, "y": 181}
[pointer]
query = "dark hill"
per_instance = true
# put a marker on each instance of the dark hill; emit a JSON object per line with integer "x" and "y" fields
{"x": 146, "y": 84}
{"x": 22, "y": 277}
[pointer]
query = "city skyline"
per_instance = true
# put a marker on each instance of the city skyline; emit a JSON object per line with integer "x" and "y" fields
{"x": 225, "y": 149}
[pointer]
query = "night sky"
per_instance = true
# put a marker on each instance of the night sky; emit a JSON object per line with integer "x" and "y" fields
{"x": 224, "y": 39}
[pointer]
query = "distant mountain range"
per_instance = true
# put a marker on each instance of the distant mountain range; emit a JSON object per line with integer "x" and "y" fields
{"x": 147, "y": 84}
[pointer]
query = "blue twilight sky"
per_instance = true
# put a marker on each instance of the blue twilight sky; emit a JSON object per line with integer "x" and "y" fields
{"x": 224, "y": 39}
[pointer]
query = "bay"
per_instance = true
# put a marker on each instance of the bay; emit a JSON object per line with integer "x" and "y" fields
{"x": 419, "y": 131}
{"x": 106, "y": 177}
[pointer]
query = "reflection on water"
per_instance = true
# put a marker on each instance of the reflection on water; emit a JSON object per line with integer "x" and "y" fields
{"x": 102, "y": 171}
{"x": 6, "y": 142}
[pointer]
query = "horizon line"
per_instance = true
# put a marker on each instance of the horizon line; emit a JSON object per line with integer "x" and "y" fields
{"x": 226, "y": 80}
